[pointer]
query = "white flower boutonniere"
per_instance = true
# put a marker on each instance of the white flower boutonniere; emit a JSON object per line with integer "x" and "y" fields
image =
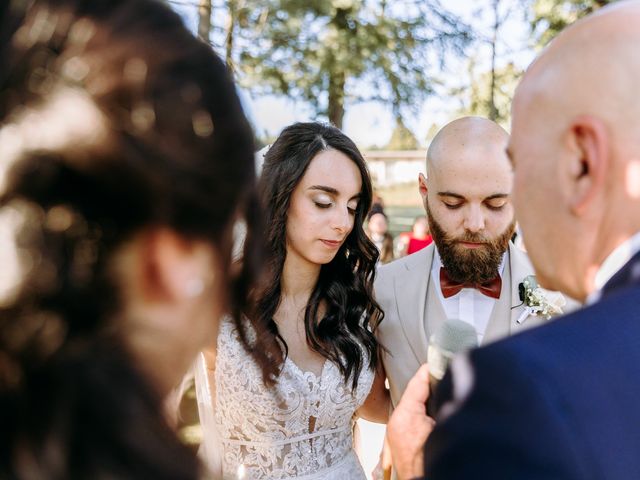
{"x": 538, "y": 301}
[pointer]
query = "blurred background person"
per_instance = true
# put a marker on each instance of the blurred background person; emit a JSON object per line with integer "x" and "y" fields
{"x": 126, "y": 160}
{"x": 315, "y": 315}
{"x": 415, "y": 240}
{"x": 377, "y": 202}
{"x": 420, "y": 236}
{"x": 378, "y": 232}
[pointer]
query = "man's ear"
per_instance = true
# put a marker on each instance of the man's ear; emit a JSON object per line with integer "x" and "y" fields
{"x": 174, "y": 268}
{"x": 422, "y": 186}
{"x": 587, "y": 166}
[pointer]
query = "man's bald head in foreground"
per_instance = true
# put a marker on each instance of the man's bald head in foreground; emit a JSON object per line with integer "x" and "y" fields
{"x": 467, "y": 197}
{"x": 575, "y": 145}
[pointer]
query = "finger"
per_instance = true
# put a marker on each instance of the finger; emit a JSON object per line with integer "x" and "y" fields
{"x": 417, "y": 391}
{"x": 386, "y": 454}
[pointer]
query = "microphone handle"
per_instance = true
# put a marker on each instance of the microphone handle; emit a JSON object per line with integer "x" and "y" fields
{"x": 431, "y": 401}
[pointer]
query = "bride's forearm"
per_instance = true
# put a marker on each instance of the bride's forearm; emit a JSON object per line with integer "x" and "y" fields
{"x": 377, "y": 405}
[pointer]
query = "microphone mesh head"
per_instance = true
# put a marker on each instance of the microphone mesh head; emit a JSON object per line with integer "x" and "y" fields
{"x": 456, "y": 336}
{"x": 453, "y": 336}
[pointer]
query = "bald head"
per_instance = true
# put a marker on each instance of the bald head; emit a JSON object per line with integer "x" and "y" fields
{"x": 462, "y": 136}
{"x": 575, "y": 143}
{"x": 591, "y": 68}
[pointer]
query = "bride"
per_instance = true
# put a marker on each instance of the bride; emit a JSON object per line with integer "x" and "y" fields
{"x": 287, "y": 409}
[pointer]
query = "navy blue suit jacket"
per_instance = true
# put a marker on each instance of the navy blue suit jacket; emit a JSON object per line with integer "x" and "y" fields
{"x": 560, "y": 401}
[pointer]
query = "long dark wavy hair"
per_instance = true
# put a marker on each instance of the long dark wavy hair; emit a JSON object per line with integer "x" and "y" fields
{"x": 345, "y": 285}
{"x": 113, "y": 119}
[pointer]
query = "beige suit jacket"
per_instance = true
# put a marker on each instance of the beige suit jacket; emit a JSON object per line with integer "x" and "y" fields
{"x": 401, "y": 290}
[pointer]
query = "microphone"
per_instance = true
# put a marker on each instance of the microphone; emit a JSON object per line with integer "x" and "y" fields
{"x": 453, "y": 337}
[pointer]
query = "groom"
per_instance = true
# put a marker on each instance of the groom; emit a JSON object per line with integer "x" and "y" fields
{"x": 471, "y": 272}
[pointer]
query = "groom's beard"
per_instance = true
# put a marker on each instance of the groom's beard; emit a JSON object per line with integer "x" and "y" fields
{"x": 464, "y": 265}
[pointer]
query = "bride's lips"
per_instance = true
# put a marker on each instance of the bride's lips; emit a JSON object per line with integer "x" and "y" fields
{"x": 332, "y": 243}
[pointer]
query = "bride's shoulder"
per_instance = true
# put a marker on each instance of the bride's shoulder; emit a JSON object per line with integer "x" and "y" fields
{"x": 229, "y": 330}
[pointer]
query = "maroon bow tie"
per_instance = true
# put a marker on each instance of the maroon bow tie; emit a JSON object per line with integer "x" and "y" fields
{"x": 451, "y": 287}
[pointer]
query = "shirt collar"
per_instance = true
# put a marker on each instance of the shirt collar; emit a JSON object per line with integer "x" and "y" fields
{"x": 612, "y": 264}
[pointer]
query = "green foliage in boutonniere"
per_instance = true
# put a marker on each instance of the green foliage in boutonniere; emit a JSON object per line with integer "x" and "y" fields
{"x": 537, "y": 301}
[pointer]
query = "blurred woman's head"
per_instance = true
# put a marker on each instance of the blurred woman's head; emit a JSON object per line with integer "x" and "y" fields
{"x": 126, "y": 160}
{"x": 316, "y": 191}
{"x": 420, "y": 228}
{"x": 377, "y": 224}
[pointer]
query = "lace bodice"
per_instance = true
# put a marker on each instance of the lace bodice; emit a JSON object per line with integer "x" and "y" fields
{"x": 301, "y": 428}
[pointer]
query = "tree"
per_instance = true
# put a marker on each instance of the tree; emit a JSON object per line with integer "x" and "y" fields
{"x": 332, "y": 52}
{"x": 492, "y": 71}
{"x": 549, "y": 17}
{"x": 204, "y": 20}
{"x": 498, "y": 84}
{"x": 500, "y": 12}
{"x": 402, "y": 138}
{"x": 433, "y": 130}
{"x": 497, "y": 23}
{"x": 223, "y": 36}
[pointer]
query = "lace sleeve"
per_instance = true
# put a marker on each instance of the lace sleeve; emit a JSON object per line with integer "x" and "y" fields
{"x": 211, "y": 448}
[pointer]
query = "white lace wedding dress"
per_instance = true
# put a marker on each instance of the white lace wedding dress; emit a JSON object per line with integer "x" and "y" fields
{"x": 299, "y": 429}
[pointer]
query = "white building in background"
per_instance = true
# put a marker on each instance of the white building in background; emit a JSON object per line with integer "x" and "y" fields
{"x": 390, "y": 168}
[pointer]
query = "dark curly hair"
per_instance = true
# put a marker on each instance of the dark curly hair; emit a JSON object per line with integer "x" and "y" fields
{"x": 345, "y": 285}
{"x": 113, "y": 119}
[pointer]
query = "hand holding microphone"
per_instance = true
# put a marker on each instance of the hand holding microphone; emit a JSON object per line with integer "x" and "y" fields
{"x": 453, "y": 337}
{"x": 408, "y": 429}
{"x": 410, "y": 424}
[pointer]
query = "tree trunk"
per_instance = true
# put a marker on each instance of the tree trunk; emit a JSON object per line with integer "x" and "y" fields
{"x": 204, "y": 20}
{"x": 336, "y": 99}
{"x": 232, "y": 8}
{"x": 337, "y": 78}
{"x": 493, "y": 111}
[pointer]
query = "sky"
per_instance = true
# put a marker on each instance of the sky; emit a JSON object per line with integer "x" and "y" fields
{"x": 371, "y": 123}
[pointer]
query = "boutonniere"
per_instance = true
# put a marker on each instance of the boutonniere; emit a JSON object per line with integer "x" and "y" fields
{"x": 538, "y": 301}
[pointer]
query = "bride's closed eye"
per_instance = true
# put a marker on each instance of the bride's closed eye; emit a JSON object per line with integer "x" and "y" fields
{"x": 322, "y": 201}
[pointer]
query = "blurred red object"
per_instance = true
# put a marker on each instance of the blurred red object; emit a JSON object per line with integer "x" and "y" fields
{"x": 416, "y": 244}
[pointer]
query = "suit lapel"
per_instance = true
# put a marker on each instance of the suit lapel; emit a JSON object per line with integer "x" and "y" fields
{"x": 500, "y": 319}
{"x": 435, "y": 314}
{"x": 411, "y": 293}
{"x": 509, "y": 308}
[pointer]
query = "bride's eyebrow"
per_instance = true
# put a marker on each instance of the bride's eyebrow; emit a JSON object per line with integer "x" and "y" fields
{"x": 333, "y": 191}
{"x": 325, "y": 188}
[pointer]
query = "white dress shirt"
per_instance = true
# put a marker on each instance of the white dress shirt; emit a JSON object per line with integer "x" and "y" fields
{"x": 612, "y": 264}
{"x": 468, "y": 305}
